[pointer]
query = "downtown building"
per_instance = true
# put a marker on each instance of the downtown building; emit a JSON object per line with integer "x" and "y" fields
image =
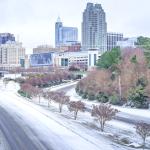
{"x": 94, "y": 28}
{"x": 12, "y": 55}
{"x": 65, "y": 36}
{"x": 43, "y": 49}
{"x": 112, "y": 39}
{"x": 5, "y": 37}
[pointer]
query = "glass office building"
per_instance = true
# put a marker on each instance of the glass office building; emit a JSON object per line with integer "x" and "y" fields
{"x": 65, "y": 35}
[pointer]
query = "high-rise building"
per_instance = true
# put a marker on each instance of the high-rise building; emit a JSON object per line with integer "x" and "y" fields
{"x": 4, "y": 37}
{"x": 94, "y": 28}
{"x": 112, "y": 39}
{"x": 12, "y": 54}
{"x": 64, "y": 35}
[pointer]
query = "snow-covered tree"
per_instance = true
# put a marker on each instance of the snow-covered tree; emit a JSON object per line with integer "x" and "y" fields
{"x": 103, "y": 113}
{"x": 76, "y": 106}
{"x": 143, "y": 129}
{"x": 61, "y": 99}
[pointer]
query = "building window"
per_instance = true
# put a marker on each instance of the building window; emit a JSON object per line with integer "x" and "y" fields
{"x": 94, "y": 59}
{"x": 89, "y": 59}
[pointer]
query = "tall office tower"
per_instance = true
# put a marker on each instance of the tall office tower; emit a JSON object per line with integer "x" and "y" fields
{"x": 112, "y": 39}
{"x": 4, "y": 37}
{"x": 58, "y": 32}
{"x": 94, "y": 28}
{"x": 65, "y": 35}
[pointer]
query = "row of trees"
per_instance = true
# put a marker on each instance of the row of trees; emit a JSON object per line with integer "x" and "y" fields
{"x": 30, "y": 91}
{"x": 122, "y": 76}
{"x": 49, "y": 79}
{"x": 102, "y": 112}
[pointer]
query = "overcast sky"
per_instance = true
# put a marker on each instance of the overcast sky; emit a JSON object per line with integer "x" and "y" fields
{"x": 33, "y": 21}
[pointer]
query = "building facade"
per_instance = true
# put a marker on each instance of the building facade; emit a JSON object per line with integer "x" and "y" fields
{"x": 68, "y": 59}
{"x": 43, "y": 49}
{"x": 5, "y": 37}
{"x": 42, "y": 59}
{"x": 112, "y": 39}
{"x": 12, "y": 54}
{"x": 93, "y": 57}
{"x": 64, "y": 35}
{"x": 71, "y": 47}
{"x": 94, "y": 28}
{"x": 127, "y": 42}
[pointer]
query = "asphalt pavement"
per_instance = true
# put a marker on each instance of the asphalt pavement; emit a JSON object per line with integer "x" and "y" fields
{"x": 16, "y": 135}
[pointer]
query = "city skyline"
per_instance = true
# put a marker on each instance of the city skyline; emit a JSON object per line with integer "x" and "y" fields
{"x": 34, "y": 21}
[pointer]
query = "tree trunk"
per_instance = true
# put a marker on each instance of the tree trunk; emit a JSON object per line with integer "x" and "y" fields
{"x": 39, "y": 99}
{"x": 60, "y": 108}
{"x": 143, "y": 143}
{"x": 75, "y": 114}
{"x": 101, "y": 124}
{"x": 120, "y": 90}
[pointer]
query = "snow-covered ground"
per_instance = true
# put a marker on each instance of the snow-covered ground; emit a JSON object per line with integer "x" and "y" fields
{"x": 56, "y": 130}
{"x": 13, "y": 76}
{"x": 131, "y": 111}
{"x": 61, "y": 130}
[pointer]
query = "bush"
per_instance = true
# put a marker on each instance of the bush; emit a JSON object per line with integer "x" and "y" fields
{"x": 91, "y": 96}
{"x": 142, "y": 82}
{"x": 114, "y": 100}
{"x": 23, "y": 94}
{"x": 20, "y": 80}
{"x": 80, "y": 92}
{"x": 102, "y": 97}
{"x": 77, "y": 88}
{"x": 85, "y": 95}
{"x": 138, "y": 97}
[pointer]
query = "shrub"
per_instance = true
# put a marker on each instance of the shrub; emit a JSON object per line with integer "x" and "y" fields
{"x": 80, "y": 92}
{"x": 85, "y": 95}
{"x": 23, "y": 94}
{"x": 114, "y": 100}
{"x": 77, "y": 88}
{"x": 142, "y": 82}
{"x": 102, "y": 97}
{"x": 138, "y": 97}
{"x": 91, "y": 96}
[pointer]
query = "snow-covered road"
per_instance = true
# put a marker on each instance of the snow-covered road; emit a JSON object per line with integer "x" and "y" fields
{"x": 44, "y": 129}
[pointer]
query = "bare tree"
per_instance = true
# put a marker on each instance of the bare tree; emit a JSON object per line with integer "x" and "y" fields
{"x": 61, "y": 99}
{"x": 143, "y": 129}
{"x": 27, "y": 89}
{"x": 76, "y": 106}
{"x": 103, "y": 113}
{"x": 37, "y": 92}
{"x": 50, "y": 96}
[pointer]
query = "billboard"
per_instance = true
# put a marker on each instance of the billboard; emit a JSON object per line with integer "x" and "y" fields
{"x": 42, "y": 59}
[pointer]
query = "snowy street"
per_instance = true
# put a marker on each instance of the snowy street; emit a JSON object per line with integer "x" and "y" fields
{"x": 33, "y": 127}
